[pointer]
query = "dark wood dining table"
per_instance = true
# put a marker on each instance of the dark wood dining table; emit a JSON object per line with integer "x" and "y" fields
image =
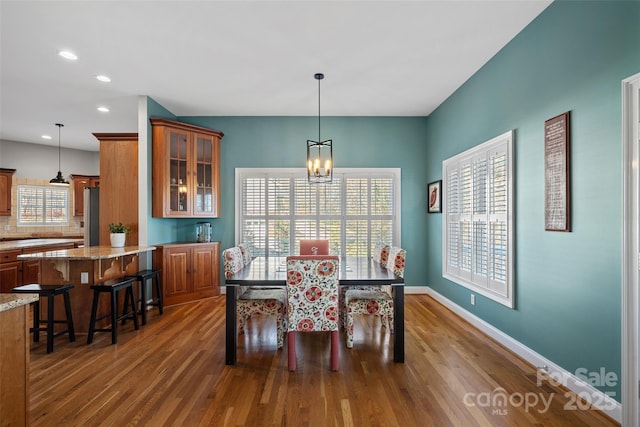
{"x": 272, "y": 272}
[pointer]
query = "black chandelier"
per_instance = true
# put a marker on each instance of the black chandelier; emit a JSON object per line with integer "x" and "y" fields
{"x": 59, "y": 179}
{"x": 319, "y": 153}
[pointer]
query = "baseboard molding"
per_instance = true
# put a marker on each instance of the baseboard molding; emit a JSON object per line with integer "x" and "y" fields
{"x": 599, "y": 400}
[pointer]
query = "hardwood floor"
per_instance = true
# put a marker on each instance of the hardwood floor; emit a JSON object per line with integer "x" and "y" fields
{"x": 171, "y": 372}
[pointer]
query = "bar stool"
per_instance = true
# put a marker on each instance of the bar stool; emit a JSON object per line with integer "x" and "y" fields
{"x": 49, "y": 291}
{"x": 129, "y": 310}
{"x": 142, "y": 276}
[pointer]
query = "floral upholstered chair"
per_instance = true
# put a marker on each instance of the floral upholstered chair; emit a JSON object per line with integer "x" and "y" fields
{"x": 246, "y": 253}
{"x": 380, "y": 255}
{"x": 255, "y": 300}
{"x": 374, "y": 302}
{"x": 312, "y": 301}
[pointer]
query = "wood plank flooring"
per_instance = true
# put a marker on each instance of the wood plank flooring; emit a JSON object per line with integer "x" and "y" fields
{"x": 172, "y": 373}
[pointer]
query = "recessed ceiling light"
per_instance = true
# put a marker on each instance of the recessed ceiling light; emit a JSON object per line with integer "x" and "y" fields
{"x": 46, "y": 137}
{"x": 103, "y": 79}
{"x": 68, "y": 55}
{"x": 103, "y": 109}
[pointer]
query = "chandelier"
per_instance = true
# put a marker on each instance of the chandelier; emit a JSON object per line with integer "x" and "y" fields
{"x": 319, "y": 153}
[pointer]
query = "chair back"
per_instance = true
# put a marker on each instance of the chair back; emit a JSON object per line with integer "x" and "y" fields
{"x": 381, "y": 254}
{"x": 233, "y": 261}
{"x": 397, "y": 257}
{"x": 312, "y": 293}
{"x": 314, "y": 247}
{"x": 246, "y": 253}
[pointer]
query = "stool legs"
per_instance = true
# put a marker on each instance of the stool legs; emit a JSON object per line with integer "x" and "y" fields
{"x": 92, "y": 321}
{"x": 36, "y": 321}
{"x": 129, "y": 309}
{"x": 50, "y": 319}
{"x": 67, "y": 309}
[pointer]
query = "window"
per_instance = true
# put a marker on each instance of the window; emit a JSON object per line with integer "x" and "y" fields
{"x": 477, "y": 224}
{"x": 43, "y": 205}
{"x": 276, "y": 208}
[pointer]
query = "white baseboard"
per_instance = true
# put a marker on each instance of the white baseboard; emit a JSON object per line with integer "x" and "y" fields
{"x": 598, "y": 399}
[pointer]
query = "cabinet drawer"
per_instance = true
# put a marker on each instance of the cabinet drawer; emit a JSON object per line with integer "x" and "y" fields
{"x": 9, "y": 256}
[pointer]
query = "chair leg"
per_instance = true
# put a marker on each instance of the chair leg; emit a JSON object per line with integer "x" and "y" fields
{"x": 280, "y": 330}
{"x": 50, "y": 320}
{"x": 114, "y": 317}
{"x": 134, "y": 308}
{"x": 349, "y": 328}
{"x": 291, "y": 350}
{"x": 67, "y": 309}
{"x": 335, "y": 352}
{"x": 36, "y": 321}
{"x": 158, "y": 292}
{"x": 92, "y": 322}
{"x": 143, "y": 303}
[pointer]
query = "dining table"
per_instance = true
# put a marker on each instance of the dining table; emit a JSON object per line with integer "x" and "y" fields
{"x": 353, "y": 271}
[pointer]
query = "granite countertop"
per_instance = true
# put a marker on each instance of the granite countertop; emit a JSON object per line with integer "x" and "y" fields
{"x": 10, "y": 245}
{"x": 11, "y": 301}
{"x": 87, "y": 253}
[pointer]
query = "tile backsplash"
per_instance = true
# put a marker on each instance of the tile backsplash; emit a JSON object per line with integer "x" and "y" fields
{"x": 9, "y": 224}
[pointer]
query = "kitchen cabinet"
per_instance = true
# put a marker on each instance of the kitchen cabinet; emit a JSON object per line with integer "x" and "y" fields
{"x": 186, "y": 170}
{"x": 80, "y": 182}
{"x": 6, "y": 178}
{"x": 14, "y": 272}
{"x": 14, "y": 359}
{"x": 190, "y": 271}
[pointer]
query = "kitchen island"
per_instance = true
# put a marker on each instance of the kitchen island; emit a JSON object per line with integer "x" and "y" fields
{"x": 83, "y": 267}
{"x": 14, "y": 358}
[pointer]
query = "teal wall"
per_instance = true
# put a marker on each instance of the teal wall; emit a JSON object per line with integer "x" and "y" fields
{"x": 567, "y": 285}
{"x": 274, "y": 142}
{"x": 573, "y": 57}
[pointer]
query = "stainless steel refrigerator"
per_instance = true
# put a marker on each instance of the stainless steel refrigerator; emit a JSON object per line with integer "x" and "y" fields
{"x": 92, "y": 216}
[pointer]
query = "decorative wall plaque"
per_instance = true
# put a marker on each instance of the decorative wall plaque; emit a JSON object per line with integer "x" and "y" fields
{"x": 557, "y": 196}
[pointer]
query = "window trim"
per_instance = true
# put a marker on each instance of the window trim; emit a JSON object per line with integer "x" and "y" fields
{"x": 302, "y": 173}
{"x": 502, "y": 142}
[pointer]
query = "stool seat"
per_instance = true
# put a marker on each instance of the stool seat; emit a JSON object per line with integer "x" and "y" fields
{"x": 112, "y": 287}
{"x": 49, "y": 292}
{"x": 142, "y": 276}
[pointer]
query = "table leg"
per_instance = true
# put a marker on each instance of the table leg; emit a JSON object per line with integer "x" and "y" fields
{"x": 398, "y": 324}
{"x": 231, "y": 324}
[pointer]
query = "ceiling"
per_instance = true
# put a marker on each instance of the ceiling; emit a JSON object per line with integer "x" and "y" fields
{"x": 237, "y": 58}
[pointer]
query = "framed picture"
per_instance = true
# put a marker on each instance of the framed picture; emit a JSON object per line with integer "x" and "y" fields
{"x": 434, "y": 197}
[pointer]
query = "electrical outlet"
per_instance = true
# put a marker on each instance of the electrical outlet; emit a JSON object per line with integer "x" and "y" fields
{"x": 84, "y": 277}
{"x": 473, "y": 299}
{"x": 7, "y": 227}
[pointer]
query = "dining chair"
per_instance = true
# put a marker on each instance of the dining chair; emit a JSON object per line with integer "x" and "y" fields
{"x": 312, "y": 301}
{"x": 247, "y": 257}
{"x": 255, "y": 300}
{"x": 372, "y": 301}
{"x": 314, "y": 247}
{"x": 380, "y": 255}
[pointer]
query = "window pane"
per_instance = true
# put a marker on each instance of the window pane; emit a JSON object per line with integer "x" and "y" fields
{"x": 43, "y": 205}
{"x": 357, "y": 196}
{"x": 279, "y": 195}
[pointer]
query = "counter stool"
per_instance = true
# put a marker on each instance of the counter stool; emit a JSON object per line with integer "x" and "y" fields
{"x": 49, "y": 291}
{"x": 142, "y": 276}
{"x": 129, "y": 310}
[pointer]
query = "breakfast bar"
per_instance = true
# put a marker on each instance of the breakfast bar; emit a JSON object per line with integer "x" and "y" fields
{"x": 83, "y": 267}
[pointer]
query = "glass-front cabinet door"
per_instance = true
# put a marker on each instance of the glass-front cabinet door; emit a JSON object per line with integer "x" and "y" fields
{"x": 186, "y": 170}
{"x": 204, "y": 202}
{"x": 178, "y": 172}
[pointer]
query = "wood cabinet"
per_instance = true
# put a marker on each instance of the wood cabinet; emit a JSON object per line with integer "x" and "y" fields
{"x": 118, "y": 184}
{"x": 186, "y": 170}
{"x": 80, "y": 182}
{"x": 190, "y": 271}
{"x": 14, "y": 364}
{"x": 14, "y": 272}
{"x": 6, "y": 177}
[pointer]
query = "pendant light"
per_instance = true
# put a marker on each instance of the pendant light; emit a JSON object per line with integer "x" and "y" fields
{"x": 59, "y": 179}
{"x": 319, "y": 153}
